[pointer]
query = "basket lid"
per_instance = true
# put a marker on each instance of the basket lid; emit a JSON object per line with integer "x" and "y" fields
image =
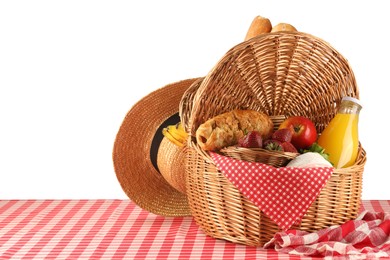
{"x": 281, "y": 73}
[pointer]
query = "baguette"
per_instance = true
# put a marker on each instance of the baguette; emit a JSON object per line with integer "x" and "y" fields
{"x": 258, "y": 26}
{"x": 227, "y": 128}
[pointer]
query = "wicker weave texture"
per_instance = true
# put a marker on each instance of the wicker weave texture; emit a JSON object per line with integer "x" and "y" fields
{"x": 286, "y": 73}
{"x": 187, "y": 102}
{"x": 223, "y": 212}
{"x": 170, "y": 161}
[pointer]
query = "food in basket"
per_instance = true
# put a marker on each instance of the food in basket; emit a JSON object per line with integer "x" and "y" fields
{"x": 283, "y": 27}
{"x": 241, "y": 220}
{"x": 304, "y": 132}
{"x": 309, "y": 159}
{"x": 341, "y": 138}
{"x": 176, "y": 134}
{"x": 252, "y": 139}
{"x": 258, "y": 26}
{"x": 317, "y": 149}
{"x": 227, "y": 128}
{"x": 289, "y": 147}
{"x": 273, "y": 145}
{"x": 279, "y": 141}
{"x": 282, "y": 135}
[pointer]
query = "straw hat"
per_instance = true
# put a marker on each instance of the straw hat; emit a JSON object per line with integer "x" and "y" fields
{"x": 170, "y": 162}
{"x": 136, "y": 148}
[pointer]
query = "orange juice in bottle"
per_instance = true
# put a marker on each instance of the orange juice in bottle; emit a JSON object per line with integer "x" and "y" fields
{"x": 340, "y": 138}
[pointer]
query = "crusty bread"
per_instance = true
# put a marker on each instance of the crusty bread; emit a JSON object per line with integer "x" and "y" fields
{"x": 283, "y": 27}
{"x": 227, "y": 128}
{"x": 258, "y": 26}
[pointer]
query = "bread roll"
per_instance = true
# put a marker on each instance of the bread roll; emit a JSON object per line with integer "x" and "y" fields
{"x": 284, "y": 27}
{"x": 225, "y": 129}
{"x": 258, "y": 26}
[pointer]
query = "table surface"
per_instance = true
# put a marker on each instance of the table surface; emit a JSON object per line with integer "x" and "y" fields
{"x": 114, "y": 229}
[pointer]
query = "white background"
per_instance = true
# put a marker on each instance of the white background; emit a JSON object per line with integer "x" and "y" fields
{"x": 70, "y": 71}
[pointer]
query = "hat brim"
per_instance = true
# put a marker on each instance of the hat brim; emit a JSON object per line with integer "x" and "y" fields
{"x": 137, "y": 175}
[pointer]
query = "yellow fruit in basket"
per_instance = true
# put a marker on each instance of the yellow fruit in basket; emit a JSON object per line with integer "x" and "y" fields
{"x": 284, "y": 27}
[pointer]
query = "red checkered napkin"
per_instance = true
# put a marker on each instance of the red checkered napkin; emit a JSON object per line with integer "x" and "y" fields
{"x": 366, "y": 237}
{"x": 284, "y": 194}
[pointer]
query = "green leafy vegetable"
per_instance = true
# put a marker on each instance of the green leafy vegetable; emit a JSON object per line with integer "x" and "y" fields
{"x": 317, "y": 149}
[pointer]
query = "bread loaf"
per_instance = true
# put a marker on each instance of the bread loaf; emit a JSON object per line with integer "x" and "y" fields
{"x": 225, "y": 129}
{"x": 258, "y": 26}
{"x": 283, "y": 27}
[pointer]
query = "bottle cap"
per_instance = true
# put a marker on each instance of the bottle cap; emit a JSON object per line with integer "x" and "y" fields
{"x": 352, "y": 99}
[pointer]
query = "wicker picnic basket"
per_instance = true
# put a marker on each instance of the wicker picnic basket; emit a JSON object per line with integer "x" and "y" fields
{"x": 280, "y": 74}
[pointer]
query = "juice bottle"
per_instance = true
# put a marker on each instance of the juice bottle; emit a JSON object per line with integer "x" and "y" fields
{"x": 340, "y": 138}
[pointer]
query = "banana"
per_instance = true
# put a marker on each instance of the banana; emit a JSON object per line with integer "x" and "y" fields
{"x": 176, "y": 134}
{"x": 168, "y": 135}
{"x": 179, "y": 132}
{"x": 180, "y": 127}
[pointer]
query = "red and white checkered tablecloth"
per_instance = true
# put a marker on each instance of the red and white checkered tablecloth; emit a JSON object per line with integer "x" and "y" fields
{"x": 114, "y": 229}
